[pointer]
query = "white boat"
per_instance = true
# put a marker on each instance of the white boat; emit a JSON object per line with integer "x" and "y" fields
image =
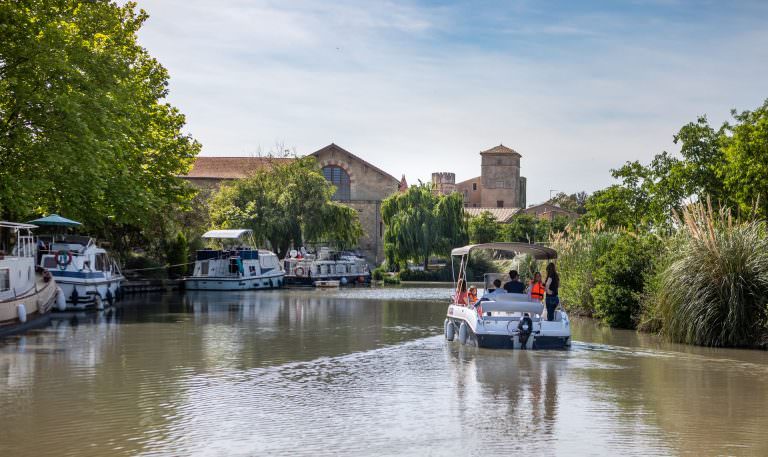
{"x": 26, "y": 293}
{"x": 307, "y": 269}
{"x": 236, "y": 266}
{"x": 86, "y": 273}
{"x": 507, "y": 320}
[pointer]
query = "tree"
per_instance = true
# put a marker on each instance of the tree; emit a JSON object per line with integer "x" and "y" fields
{"x": 420, "y": 224}
{"x": 573, "y": 202}
{"x": 84, "y": 126}
{"x": 287, "y": 204}
{"x": 526, "y": 228}
{"x": 746, "y": 157}
{"x": 484, "y": 228}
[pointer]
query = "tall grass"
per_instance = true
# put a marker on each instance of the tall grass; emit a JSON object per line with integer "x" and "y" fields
{"x": 714, "y": 291}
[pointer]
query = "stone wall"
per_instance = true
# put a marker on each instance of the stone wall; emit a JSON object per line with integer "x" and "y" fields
{"x": 500, "y": 180}
{"x": 472, "y": 191}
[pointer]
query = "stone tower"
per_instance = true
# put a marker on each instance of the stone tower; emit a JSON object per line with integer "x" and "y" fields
{"x": 500, "y": 178}
{"x": 443, "y": 183}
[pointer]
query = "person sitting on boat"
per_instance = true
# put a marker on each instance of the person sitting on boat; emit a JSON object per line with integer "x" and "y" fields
{"x": 461, "y": 292}
{"x": 514, "y": 286}
{"x": 498, "y": 289}
{"x": 536, "y": 289}
{"x": 472, "y": 296}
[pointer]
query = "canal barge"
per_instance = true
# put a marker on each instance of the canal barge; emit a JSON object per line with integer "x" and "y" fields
{"x": 27, "y": 293}
{"x": 236, "y": 266}
{"x": 504, "y": 320}
{"x": 324, "y": 268}
{"x": 85, "y": 272}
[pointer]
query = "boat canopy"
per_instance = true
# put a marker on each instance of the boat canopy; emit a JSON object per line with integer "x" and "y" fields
{"x": 227, "y": 234}
{"x": 534, "y": 250}
{"x": 17, "y": 225}
{"x": 55, "y": 220}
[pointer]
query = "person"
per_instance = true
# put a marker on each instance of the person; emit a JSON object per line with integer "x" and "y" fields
{"x": 514, "y": 286}
{"x": 472, "y": 296}
{"x": 536, "y": 289}
{"x": 461, "y": 292}
{"x": 551, "y": 286}
{"x": 498, "y": 289}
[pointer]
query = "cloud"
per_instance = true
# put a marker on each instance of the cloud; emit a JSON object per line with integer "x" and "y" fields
{"x": 416, "y": 88}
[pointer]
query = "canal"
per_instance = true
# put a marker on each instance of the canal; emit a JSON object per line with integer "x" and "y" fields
{"x": 360, "y": 372}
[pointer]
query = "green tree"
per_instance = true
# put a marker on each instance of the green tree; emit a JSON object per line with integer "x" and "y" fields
{"x": 178, "y": 255}
{"x": 287, "y": 204}
{"x": 573, "y": 202}
{"x": 526, "y": 228}
{"x": 420, "y": 224}
{"x": 84, "y": 126}
{"x": 484, "y": 228}
{"x": 745, "y": 148}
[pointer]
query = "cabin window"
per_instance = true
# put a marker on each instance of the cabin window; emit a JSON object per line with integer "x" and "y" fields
{"x": 252, "y": 269}
{"x": 204, "y": 268}
{"x": 5, "y": 279}
{"x": 499, "y": 203}
{"x": 339, "y": 178}
{"x": 101, "y": 262}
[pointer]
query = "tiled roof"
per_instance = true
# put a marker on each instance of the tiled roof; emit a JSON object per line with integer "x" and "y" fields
{"x": 500, "y": 149}
{"x": 501, "y": 214}
{"x": 230, "y": 167}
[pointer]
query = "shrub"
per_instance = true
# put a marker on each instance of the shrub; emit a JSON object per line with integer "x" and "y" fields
{"x": 178, "y": 254}
{"x": 391, "y": 280}
{"x": 378, "y": 273}
{"x": 715, "y": 291}
{"x": 142, "y": 266}
{"x": 443, "y": 274}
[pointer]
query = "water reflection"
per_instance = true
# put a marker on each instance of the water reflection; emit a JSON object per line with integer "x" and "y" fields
{"x": 297, "y": 372}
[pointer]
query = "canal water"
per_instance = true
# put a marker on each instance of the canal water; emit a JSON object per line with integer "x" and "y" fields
{"x": 360, "y": 372}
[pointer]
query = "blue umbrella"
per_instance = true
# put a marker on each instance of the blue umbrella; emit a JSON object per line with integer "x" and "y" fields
{"x": 55, "y": 220}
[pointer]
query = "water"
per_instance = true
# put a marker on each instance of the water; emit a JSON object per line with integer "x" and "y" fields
{"x": 360, "y": 372}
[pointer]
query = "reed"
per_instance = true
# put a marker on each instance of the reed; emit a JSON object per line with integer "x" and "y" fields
{"x": 714, "y": 290}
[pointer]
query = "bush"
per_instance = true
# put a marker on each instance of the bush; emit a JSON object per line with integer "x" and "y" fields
{"x": 178, "y": 254}
{"x": 443, "y": 274}
{"x": 378, "y": 273}
{"x": 620, "y": 279}
{"x": 715, "y": 291}
{"x": 142, "y": 266}
{"x": 391, "y": 280}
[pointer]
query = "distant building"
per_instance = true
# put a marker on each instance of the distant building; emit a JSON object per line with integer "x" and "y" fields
{"x": 359, "y": 184}
{"x": 503, "y": 215}
{"x": 549, "y": 212}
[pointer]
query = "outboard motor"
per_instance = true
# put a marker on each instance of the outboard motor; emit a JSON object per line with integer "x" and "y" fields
{"x": 524, "y": 330}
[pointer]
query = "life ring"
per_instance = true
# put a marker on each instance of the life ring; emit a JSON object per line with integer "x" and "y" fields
{"x": 299, "y": 271}
{"x": 63, "y": 258}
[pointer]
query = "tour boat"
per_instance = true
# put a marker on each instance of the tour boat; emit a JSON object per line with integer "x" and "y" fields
{"x": 27, "y": 293}
{"x": 236, "y": 266}
{"x": 305, "y": 269}
{"x": 508, "y": 320}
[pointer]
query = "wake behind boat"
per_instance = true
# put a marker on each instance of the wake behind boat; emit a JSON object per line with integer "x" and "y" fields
{"x": 236, "y": 266}
{"x": 506, "y": 320}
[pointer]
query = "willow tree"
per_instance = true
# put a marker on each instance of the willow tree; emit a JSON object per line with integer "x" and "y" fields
{"x": 287, "y": 203}
{"x": 84, "y": 126}
{"x": 421, "y": 224}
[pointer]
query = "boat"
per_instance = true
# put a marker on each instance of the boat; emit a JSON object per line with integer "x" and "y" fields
{"x": 236, "y": 266}
{"x": 85, "y": 272}
{"x": 308, "y": 269}
{"x": 509, "y": 320}
{"x": 27, "y": 293}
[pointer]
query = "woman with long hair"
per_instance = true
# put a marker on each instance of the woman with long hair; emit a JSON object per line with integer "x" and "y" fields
{"x": 461, "y": 292}
{"x": 552, "y": 285}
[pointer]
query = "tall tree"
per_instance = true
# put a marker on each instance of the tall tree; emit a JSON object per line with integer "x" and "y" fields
{"x": 287, "y": 204}
{"x": 484, "y": 228}
{"x": 420, "y": 224}
{"x": 84, "y": 126}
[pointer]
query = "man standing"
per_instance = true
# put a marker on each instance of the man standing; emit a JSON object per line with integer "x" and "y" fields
{"x": 514, "y": 286}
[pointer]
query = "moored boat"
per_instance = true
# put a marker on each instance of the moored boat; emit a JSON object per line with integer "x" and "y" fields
{"x": 27, "y": 293}
{"x": 307, "y": 269}
{"x": 236, "y": 266}
{"x": 505, "y": 320}
{"x": 85, "y": 272}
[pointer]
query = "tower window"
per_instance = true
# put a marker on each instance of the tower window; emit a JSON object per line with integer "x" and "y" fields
{"x": 499, "y": 203}
{"x": 474, "y": 186}
{"x": 499, "y": 184}
{"x": 339, "y": 178}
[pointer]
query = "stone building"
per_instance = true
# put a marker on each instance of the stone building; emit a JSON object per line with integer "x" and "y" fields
{"x": 549, "y": 212}
{"x": 359, "y": 185}
{"x": 498, "y": 186}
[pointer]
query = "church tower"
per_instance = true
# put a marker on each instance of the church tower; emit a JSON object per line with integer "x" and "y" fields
{"x": 502, "y": 186}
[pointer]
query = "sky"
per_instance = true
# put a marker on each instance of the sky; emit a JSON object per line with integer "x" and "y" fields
{"x": 415, "y": 87}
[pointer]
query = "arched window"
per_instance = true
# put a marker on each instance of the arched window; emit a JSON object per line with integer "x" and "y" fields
{"x": 339, "y": 178}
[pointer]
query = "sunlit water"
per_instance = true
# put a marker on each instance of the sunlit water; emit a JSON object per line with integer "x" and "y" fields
{"x": 360, "y": 372}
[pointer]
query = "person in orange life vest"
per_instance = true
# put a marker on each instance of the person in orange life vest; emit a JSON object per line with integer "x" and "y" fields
{"x": 536, "y": 289}
{"x": 472, "y": 296}
{"x": 461, "y": 292}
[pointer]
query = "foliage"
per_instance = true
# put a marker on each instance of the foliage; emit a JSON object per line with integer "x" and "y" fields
{"x": 420, "y": 224}
{"x": 441, "y": 275}
{"x": 141, "y": 265}
{"x": 573, "y": 202}
{"x": 84, "y": 128}
{"x": 715, "y": 290}
{"x": 484, "y": 228}
{"x": 287, "y": 204}
{"x": 746, "y": 158}
{"x": 527, "y": 228}
{"x": 178, "y": 254}
{"x": 620, "y": 279}
{"x": 391, "y": 280}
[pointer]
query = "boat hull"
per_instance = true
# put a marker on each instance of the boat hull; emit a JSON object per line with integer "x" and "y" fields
{"x": 37, "y": 305}
{"x": 347, "y": 280}
{"x": 224, "y": 283}
{"x": 89, "y": 291}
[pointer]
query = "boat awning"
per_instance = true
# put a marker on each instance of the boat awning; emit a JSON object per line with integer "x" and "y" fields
{"x": 226, "y": 234}
{"x": 17, "y": 225}
{"x": 55, "y": 220}
{"x": 534, "y": 250}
